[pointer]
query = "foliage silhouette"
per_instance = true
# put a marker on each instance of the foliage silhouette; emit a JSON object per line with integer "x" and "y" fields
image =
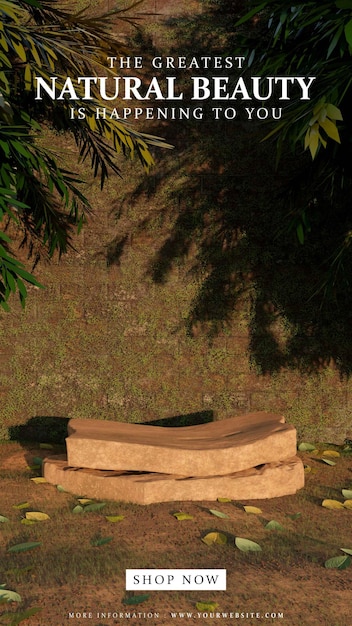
{"x": 240, "y": 213}
{"x": 40, "y": 199}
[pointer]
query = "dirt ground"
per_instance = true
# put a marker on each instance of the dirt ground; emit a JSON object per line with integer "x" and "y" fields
{"x": 74, "y": 582}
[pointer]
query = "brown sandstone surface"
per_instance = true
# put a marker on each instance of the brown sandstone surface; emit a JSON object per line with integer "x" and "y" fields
{"x": 216, "y": 448}
{"x": 266, "y": 481}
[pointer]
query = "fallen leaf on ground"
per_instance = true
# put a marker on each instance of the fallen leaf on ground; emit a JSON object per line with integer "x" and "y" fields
{"x": 214, "y": 538}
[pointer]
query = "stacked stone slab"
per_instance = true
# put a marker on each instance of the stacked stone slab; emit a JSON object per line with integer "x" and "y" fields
{"x": 251, "y": 456}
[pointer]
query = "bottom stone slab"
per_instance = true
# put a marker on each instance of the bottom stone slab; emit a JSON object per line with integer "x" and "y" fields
{"x": 265, "y": 481}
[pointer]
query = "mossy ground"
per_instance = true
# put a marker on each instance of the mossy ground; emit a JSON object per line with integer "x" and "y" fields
{"x": 67, "y": 573}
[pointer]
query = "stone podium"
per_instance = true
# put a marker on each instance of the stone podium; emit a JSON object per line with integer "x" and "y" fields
{"x": 250, "y": 456}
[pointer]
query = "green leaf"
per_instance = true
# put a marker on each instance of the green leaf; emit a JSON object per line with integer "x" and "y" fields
{"x": 46, "y": 446}
{"x": 206, "y": 606}
{"x": 37, "y": 460}
{"x": 22, "y": 547}
{"x": 300, "y": 233}
{"x": 19, "y": 617}
{"x": 293, "y": 516}
{"x": 5, "y": 237}
{"x": 101, "y": 541}
{"x": 347, "y": 550}
{"x": 251, "y": 13}
{"x": 334, "y": 43}
{"x": 218, "y": 513}
{"x": 5, "y": 306}
{"x": 97, "y": 506}
{"x": 19, "y": 147}
{"x": 180, "y": 516}
{"x": 347, "y": 493}
{"x": 333, "y": 112}
{"x": 347, "y": 449}
{"x": 348, "y": 32}
{"x": 246, "y": 545}
{"x": 328, "y": 462}
{"x": 61, "y": 488}
{"x": 214, "y": 538}
{"x": 136, "y": 599}
{"x": 27, "y": 522}
{"x": 10, "y": 596}
{"x": 30, "y": 279}
{"x": 273, "y": 525}
{"x": 4, "y": 519}
{"x": 22, "y": 505}
{"x": 78, "y": 509}
{"x": 11, "y": 281}
{"x": 338, "y": 562}
{"x": 306, "y": 447}
{"x": 22, "y": 289}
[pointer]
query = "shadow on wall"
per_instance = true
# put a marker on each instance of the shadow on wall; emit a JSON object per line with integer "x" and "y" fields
{"x": 41, "y": 429}
{"x": 241, "y": 214}
{"x": 188, "y": 419}
{"x": 50, "y": 429}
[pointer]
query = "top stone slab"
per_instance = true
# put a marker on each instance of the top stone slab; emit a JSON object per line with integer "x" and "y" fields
{"x": 212, "y": 449}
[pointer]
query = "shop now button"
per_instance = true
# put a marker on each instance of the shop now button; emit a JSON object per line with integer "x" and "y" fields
{"x": 176, "y": 579}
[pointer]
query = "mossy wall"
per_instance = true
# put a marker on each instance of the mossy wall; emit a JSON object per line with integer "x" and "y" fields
{"x": 107, "y": 342}
{"x": 116, "y": 333}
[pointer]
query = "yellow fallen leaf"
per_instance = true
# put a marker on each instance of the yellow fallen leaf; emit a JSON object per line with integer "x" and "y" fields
{"x": 37, "y": 516}
{"x": 310, "y": 470}
{"x": 85, "y": 501}
{"x": 114, "y": 518}
{"x": 182, "y": 516}
{"x": 348, "y": 504}
{"x": 332, "y": 453}
{"x": 39, "y": 479}
{"x": 252, "y": 509}
{"x": 224, "y": 500}
{"x": 332, "y": 504}
{"x": 214, "y": 537}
